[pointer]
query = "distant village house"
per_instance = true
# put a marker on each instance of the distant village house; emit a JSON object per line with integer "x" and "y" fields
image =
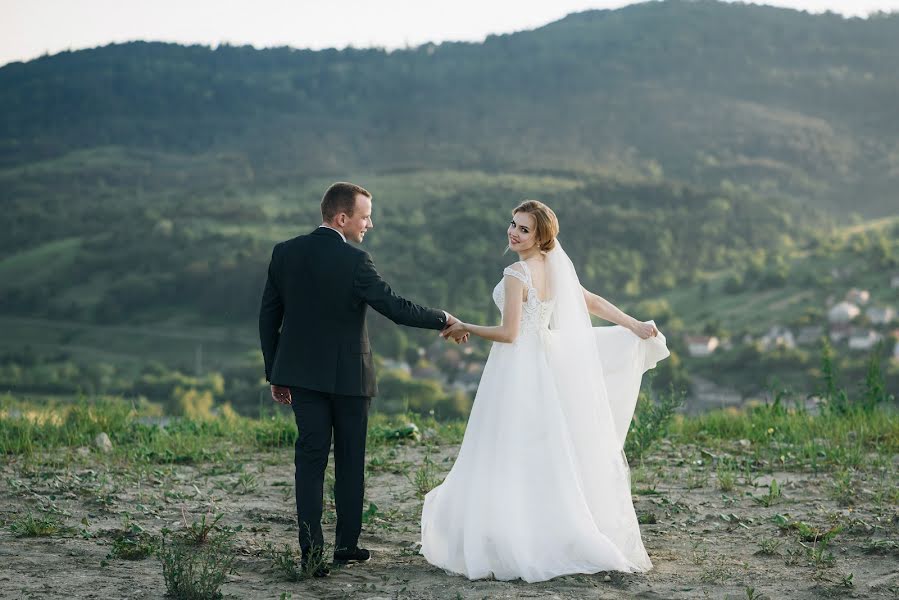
{"x": 857, "y": 296}
{"x": 777, "y": 336}
{"x": 842, "y": 312}
{"x": 881, "y": 315}
{"x": 840, "y": 331}
{"x": 701, "y": 345}
{"x": 863, "y": 340}
{"x": 809, "y": 335}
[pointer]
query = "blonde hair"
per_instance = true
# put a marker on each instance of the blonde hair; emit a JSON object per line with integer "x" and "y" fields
{"x": 547, "y": 225}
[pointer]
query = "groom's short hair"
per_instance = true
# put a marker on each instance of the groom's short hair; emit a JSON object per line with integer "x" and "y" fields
{"x": 341, "y": 198}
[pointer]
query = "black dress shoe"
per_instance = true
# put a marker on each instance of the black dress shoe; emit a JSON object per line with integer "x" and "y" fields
{"x": 313, "y": 565}
{"x": 348, "y": 555}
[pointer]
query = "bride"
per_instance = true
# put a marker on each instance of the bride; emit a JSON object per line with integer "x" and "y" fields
{"x": 541, "y": 486}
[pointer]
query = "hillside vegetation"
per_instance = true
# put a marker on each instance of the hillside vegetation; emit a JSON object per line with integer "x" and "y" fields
{"x": 713, "y": 165}
{"x": 701, "y": 91}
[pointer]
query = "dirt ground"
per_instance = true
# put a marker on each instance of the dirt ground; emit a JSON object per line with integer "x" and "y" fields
{"x": 704, "y": 543}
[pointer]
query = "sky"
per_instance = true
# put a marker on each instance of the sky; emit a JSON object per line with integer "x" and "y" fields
{"x": 31, "y": 28}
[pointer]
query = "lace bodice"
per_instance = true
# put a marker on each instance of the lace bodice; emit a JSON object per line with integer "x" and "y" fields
{"x": 535, "y": 313}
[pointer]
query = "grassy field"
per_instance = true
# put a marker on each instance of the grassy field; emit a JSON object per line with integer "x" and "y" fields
{"x": 40, "y": 263}
{"x": 169, "y": 342}
{"x": 767, "y": 503}
{"x": 755, "y": 309}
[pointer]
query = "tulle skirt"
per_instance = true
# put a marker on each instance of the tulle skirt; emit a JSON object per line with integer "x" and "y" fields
{"x": 541, "y": 486}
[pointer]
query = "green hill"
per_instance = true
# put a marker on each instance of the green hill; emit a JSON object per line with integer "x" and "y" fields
{"x": 129, "y": 256}
{"x": 704, "y": 159}
{"x": 780, "y": 100}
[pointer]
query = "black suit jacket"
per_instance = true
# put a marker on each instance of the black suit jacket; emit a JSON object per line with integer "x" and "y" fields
{"x": 312, "y": 318}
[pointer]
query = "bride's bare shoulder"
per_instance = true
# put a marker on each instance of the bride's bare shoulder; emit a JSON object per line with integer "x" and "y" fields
{"x": 536, "y": 262}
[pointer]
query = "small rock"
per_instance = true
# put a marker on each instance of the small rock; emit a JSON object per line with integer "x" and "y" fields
{"x": 607, "y": 578}
{"x": 102, "y": 442}
{"x": 83, "y": 451}
{"x": 745, "y": 443}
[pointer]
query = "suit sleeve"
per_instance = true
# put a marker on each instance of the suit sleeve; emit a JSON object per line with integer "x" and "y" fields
{"x": 374, "y": 291}
{"x": 271, "y": 312}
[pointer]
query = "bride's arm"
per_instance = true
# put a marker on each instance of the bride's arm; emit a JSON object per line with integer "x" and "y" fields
{"x": 599, "y": 306}
{"x": 602, "y": 308}
{"x": 508, "y": 331}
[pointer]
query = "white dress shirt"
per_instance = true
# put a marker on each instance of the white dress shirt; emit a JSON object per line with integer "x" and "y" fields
{"x": 332, "y": 229}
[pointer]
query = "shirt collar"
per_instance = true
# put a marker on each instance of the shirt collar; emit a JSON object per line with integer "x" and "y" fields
{"x": 332, "y": 229}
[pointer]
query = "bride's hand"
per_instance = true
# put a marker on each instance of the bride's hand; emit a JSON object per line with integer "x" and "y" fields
{"x": 644, "y": 330}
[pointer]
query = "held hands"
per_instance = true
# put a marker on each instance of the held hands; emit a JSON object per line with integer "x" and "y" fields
{"x": 455, "y": 330}
{"x": 281, "y": 394}
{"x": 644, "y": 330}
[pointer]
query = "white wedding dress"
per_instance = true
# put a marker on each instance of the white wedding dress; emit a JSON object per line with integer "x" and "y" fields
{"x": 541, "y": 486}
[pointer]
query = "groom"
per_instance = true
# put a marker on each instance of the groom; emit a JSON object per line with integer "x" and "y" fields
{"x": 317, "y": 293}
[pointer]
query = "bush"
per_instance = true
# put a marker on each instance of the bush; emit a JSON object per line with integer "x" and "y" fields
{"x": 651, "y": 421}
{"x": 196, "y": 560}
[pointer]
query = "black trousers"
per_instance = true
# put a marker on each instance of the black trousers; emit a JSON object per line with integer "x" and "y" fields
{"x": 317, "y": 414}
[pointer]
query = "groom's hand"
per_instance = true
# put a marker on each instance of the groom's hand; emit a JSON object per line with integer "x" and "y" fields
{"x": 456, "y": 332}
{"x": 450, "y": 322}
{"x": 281, "y": 394}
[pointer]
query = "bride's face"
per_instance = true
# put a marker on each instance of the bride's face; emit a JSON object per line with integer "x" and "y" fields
{"x": 521, "y": 232}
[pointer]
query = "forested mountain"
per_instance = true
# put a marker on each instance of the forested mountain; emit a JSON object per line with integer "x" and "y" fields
{"x": 701, "y": 157}
{"x": 705, "y": 92}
